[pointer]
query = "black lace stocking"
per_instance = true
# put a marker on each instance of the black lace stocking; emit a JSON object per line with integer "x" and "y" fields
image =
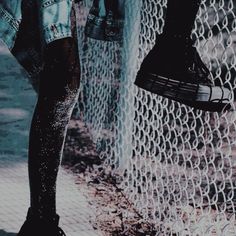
{"x": 58, "y": 93}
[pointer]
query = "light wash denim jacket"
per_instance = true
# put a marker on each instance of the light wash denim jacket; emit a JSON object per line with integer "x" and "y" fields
{"x": 27, "y": 25}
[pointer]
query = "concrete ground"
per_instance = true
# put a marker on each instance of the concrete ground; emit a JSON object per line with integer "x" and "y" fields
{"x": 17, "y": 101}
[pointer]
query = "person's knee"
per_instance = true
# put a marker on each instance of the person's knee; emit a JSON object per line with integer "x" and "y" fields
{"x": 61, "y": 74}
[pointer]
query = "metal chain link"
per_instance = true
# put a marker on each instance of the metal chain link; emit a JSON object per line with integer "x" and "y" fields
{"x": 178, "y": 166}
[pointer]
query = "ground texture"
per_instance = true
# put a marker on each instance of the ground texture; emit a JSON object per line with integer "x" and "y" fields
{"x": 88, "y": 199}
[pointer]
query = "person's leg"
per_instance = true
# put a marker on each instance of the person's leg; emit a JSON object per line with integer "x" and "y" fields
{"x": 180, "y": 17}
{"x": 58, "y": 93}
{"x": 169, "y": 51}
{"x": 174, "y": 69}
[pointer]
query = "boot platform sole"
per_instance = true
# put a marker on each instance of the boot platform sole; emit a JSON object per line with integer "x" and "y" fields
{"x": 203, "y": 97}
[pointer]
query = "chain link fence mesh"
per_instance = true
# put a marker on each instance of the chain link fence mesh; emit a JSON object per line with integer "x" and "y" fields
{"x": 177, "y": 165}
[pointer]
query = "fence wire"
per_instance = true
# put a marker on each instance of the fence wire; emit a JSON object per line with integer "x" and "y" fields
{"x": 177, "y": 165}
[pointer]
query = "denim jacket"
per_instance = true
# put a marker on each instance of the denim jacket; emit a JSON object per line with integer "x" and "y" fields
{"x": 26, "y": 26}
{"x": 52, "y": 14}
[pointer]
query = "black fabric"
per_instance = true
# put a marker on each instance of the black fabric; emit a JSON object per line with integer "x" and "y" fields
{"x": 58, "y": 93}
{"x": 36, "y": 226}
{"x": 180, "y": 17}
{"x": 176, "y": 57}
{"x": 174, "y": 53}
{"x": 28, "y": 46}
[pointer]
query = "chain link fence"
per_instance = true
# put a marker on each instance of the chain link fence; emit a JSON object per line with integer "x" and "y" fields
{"x": 177, "y": 165}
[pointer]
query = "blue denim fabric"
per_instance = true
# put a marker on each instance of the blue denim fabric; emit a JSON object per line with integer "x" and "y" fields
{"x": 53, "y": 17}
{"x": 26, "y": 26}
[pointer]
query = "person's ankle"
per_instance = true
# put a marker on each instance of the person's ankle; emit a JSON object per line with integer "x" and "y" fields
{"x": 177, "y": 39}
{"x": 47, "y": 217}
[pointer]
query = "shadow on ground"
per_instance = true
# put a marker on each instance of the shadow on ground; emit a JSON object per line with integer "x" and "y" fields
{"x": 17, "y": 101}
{"x": 4, "y": 233}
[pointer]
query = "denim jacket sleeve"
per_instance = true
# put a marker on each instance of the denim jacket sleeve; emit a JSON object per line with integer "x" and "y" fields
{"x": 10, "y": 18}
{"x": 55, "y": 19}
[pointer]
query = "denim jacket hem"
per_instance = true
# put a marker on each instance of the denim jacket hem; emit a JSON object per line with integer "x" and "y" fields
{"x": 8, "y": 28}
{"x": 57, "y": 31}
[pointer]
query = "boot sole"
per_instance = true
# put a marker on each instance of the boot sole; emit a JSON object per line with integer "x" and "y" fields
{"x": 201, "y": 97}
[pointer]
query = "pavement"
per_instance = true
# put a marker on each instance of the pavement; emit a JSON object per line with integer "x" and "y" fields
{"x": 17, "y": 101}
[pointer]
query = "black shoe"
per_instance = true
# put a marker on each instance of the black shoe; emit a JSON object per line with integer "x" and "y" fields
{"x": 174, "y": 69}
{"x": 35, "y": 226}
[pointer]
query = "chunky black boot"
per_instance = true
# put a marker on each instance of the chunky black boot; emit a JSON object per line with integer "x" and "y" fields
{"x": 36, "y": 226}
{"x": 174, "y": 69}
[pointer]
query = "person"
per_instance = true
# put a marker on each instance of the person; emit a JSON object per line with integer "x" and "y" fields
{"x": 174, "y": 69}
{"x": 42, "y": 36}
{"x": 105, "y": 20}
